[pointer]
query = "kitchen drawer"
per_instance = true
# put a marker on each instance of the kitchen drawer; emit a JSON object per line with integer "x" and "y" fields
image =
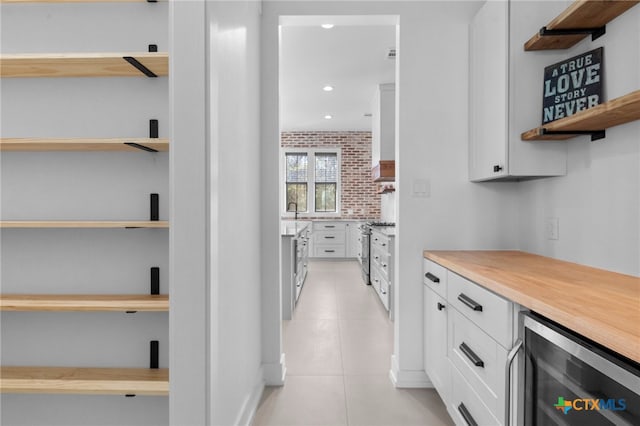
{"x": 380, "y": 240}
{"x": 381, "y": 286}
{"x": 465, "y": 399}
{"x": 329, "y": 226}
{"x": 329, "y": 250}
{"x": 490, "y": 312}
{"x": 435, "y": 276}
{"x": 328, "y": 237}
{"x": 381, "y": 259}
{"x": 480, "y": 360}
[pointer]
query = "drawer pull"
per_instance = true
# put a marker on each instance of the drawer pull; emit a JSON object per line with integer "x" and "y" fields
{"x": 329, "y": 251}
{"x": 432, "y": 277}
{"x": 475, "y": 359}
{"x": 329, "y": 237}
{"x": 440, "y": 306}
{"x": 470, "y": 302}
{"x": 329, "y": 226}
{"x": 466, "y": 415}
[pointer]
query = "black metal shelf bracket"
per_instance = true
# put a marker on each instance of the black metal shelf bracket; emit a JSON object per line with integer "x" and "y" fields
{"x": 154, "y": 201}
{"x": 595, "y": 32}
{"x": 139, "y": 66}
{"x": 153, "y": 134}
{"x": 155, "y": 280}
{"x": 153, "y": 354}
{"x": 595, "y": 134}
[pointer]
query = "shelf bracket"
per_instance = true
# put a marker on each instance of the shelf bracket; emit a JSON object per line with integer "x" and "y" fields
{"x": 595, "y": 32}
{"x": 155, "y": 280}
{"x": 153, "y": 354}
{"x": 153, "y": 134}
{"x": 154, "y": 207}
{"x": 139, "y": 66}
{"x": 595, "y": 134}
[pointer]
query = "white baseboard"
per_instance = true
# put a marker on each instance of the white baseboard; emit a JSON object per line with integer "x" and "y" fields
{"x": 251, "y": 402}
{"x": 274, "y": 373}
{"x": 408, "y": 378}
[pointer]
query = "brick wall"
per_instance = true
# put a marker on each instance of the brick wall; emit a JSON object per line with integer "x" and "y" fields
{"x": 358, "y": 190}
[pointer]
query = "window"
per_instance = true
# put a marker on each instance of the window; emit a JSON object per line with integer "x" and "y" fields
{"x": 312, "y": 181}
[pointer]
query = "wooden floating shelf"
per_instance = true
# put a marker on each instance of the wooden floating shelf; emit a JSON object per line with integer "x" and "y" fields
{"x": 609, "y": 114}
{"x": 84, "y": 302}
{"x": 82, "y": 144}
{"x": 97, "y": 381}
{"x": 580, "y": 15}
{"x": 82, "y": 64}
{"x": 88, "y": 224}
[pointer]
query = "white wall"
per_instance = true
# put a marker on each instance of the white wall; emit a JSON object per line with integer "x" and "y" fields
{"x": 234, "y": 173}
{"x": 431, "y": 144}
{"x": 598, "y": 202}
{"x": 83, "y": 186}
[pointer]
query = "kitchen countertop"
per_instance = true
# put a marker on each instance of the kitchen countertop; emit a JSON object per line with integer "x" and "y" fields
{"x": 291, "y": 228}
{"x": 601, "y": 305}
{"x": 385, "y": 230}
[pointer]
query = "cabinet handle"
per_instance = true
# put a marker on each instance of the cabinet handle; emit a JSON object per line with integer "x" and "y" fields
{"x": 329, "y": 237}
{"x": 384, "y": 244}
{"x": 497, "y": 168}
{"x": 475, "y": 359}
{"x": 329, "y": 226}
{"x": 507, "y": 385}
{"x": 432, "y": 277}
{"x": 382, "y": 291}
{"x": 470, "y": 302}
{"x": 329, "y": 251}
{"x": 441, "y": 306}
{"x": 384, "y": 265}
{"x": 466, "y": 415}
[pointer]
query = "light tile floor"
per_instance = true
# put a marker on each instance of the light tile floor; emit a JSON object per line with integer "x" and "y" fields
{"x": 338, "y": 353}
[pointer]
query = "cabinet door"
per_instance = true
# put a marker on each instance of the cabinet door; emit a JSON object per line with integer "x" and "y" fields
{"x": 488, "y": 97}
{"x": 436, "y": 364}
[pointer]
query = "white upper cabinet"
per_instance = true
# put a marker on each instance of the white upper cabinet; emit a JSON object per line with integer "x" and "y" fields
{"x": 383, "y": 132}
{"x": 505, "y": 94}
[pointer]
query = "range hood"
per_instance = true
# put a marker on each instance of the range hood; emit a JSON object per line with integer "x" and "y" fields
{"x": 384, "y": 171}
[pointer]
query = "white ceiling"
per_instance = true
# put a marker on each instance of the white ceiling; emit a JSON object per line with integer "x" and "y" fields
{"x": 351, "y": 57}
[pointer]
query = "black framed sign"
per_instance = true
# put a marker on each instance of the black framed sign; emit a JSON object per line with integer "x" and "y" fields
{"x": 572, "y": 85}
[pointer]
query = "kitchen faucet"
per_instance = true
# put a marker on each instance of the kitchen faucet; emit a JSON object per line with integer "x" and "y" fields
{"x": 296, "y": 206}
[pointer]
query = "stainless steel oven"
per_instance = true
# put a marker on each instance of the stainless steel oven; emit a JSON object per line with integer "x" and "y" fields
{"x": 569, "y": 380}
{"x": 363, "y": 253}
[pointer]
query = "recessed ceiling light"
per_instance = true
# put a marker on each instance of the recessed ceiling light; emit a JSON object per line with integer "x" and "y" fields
{"x": 327, "y": 88}
{"x": 327, "y": 26}
{"x": 328, "y": 117}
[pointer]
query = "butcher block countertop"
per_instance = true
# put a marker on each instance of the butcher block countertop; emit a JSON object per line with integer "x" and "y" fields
{"x": 601, "y": 305}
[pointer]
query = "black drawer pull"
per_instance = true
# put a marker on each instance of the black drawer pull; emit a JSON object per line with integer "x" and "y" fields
{"x": 497, "y": 168}
{"x": 432, "y": 277}
{"x": 475, "y": 359}
{"x": 329, "y": 251}
{"x": 470, "y": 302}
{"x": 440, "y": 306}
{"x": 466, "y": 415}
{"x": 329, "y": 237}
{"x": 329, "y": 226}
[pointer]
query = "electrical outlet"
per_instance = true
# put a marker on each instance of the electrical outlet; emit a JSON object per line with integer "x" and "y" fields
{"x": 552, "y": 228}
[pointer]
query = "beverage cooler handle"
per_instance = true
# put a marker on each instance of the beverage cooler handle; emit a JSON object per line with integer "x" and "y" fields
{"x": 507, "y": 383}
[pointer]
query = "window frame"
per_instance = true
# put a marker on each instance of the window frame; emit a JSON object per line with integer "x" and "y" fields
{"x": 311, "y": 182}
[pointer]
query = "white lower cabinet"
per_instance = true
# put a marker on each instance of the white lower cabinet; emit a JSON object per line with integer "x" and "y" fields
{"x": 329, "y": 239}
{"x": 435, "y": 348}
{"x": 382, "y": 260}
{"x": 468, "y": 332}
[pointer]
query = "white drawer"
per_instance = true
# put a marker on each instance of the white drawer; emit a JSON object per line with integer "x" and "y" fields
{"x": 381, "y": 286}
{"x": 435, "y": 276}
{"x": 480, "y": 360}
{"x": 381, "y": 259}
{"x": 329, "y": 250}
{"x": 328, "y": 237}
{"x": 490, "y": 312}
{"x": 329, "y": 226}
{"x": 464, "y": 399}
{"x": 381, "y": 241}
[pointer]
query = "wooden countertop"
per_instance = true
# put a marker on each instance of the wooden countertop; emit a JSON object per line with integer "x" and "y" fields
{"x": 601, "y": 305}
